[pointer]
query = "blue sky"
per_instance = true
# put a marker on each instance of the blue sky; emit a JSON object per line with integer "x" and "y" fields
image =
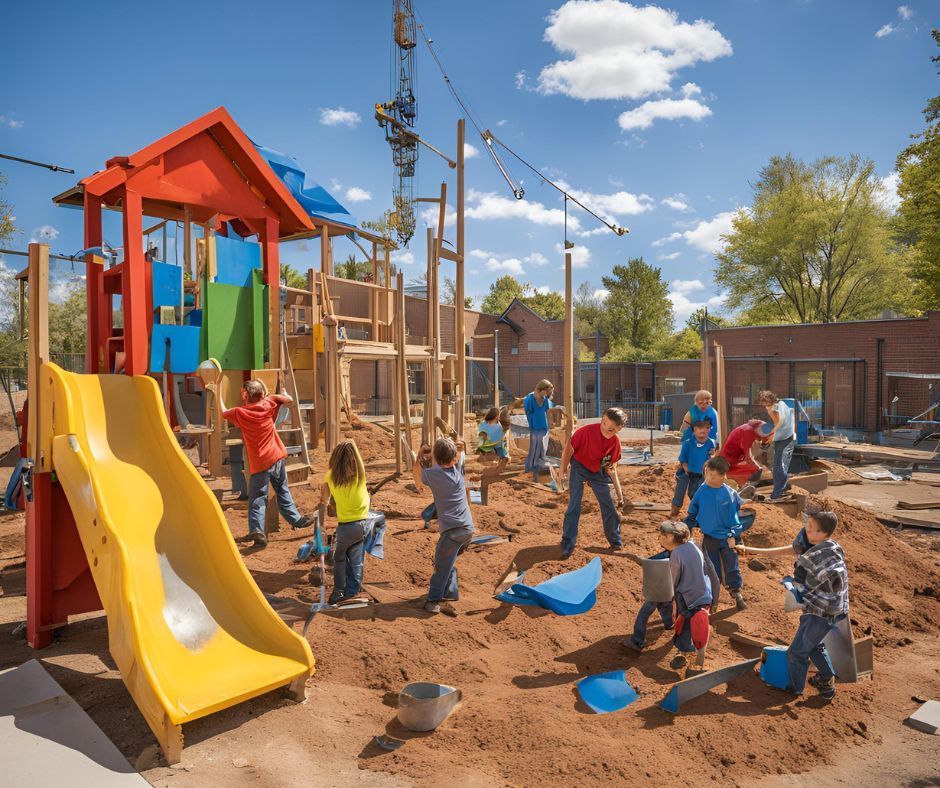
{"x": 664, "y": 113}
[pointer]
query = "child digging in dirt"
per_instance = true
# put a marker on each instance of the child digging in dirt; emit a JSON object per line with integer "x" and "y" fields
{"x": 492, "y": 437}
{"x": 454, "y": 521}
{"x": 714, "y": 509}
{"x": 266, "y": 455}
{"x": 820, "y": 570}
{"x": 345, "y": 483}
{"x": 695, "y": 451}
{"x": 637, "y": 641}
{"x": 693, "y": 581}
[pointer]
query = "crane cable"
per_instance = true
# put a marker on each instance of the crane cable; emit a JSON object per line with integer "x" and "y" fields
{"x": 489, "y": 138}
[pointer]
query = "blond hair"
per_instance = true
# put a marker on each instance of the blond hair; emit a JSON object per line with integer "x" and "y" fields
{"x": 542, "y": 385}
{"x": 254, "y": 389}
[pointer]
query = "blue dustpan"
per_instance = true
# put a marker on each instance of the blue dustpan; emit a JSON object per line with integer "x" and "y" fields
{"x": 566, "y": 594}
{"x": 607, "y": 692}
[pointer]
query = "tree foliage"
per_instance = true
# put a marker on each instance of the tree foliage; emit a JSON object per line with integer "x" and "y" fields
{"x": 351, "y": 268}
{"x": 919, "y": 213}
{"x": 291, "y": 277}
{"x": 813, "y": 247}
{"x": 549, "y": 306}
{"x": 449, "y": 294}
{"x": 637, "y": 312}
{"x": 67, "y": 322}
{"x": 588, "y": 309}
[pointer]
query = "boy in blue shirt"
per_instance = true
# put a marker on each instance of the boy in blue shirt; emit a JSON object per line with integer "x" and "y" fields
{"x": 702, "y": 410}
{"x": 714, "y": 509}
{"x": 695, "y": 450}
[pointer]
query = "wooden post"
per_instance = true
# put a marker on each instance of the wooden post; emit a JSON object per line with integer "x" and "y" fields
{"x": 272, "y": 276}
{"x": 460, "y": 333}
{"x": 569, "y": 349}
{"x": 430, "y": 377}
{"x": 721, "y": 395}
{"x": 134, "y": 288}
{"x": 402, "y": 380}
{"x": 705, "y": 367}
{"x": 37, "y": 353}
{"x": 315, "y": 319}
{"x": 326, "y": 253}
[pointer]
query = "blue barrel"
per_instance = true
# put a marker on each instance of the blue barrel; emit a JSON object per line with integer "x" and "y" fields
{"x": 773, "y": 666}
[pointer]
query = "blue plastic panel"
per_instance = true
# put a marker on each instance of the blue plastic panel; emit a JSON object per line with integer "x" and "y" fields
{"x": 167, "y": 284}
{"x": 235, "y": 260}
{"x": 607, "y": 692}
{"x": 184, "y": 348}
{"x": 566, "y": 594}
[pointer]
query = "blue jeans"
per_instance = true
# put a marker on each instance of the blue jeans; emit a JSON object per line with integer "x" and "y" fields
{"x": 258, "y": 497}
{"x": 808, "y": 645}
{"x": 535, "y": 459}
{"x": 685, "y": 482}
{"x": 783, "y": 453}
{"x": 639, "y": 626}
{"x": 599, "y": 483}
{"x": 444, "y": 580}
{"x": 725, "y": 561}
{"x": 348, "y": 558}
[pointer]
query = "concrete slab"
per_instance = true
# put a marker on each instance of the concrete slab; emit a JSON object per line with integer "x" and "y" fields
{"x": 46, "y": 738}
{"x": 926, "y": 718}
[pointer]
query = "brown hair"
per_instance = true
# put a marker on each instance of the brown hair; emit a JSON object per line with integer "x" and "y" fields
{"x": 677, "y": 530}
{"x": 491, "y": 414}
{"x": 702, "y": 423}
{"x": 827, "y": 521}
{"x": 444, "y": 451}
{"x": 254, "y": 389}
{"x": 718, "y": 464}
{"x": 542, "y": 385}
{"x": 766, "y": 398}
{"x": 344, "y": 470}
{"x": 616, "y": 415}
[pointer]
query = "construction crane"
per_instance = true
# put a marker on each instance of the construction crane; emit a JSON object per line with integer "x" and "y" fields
{"x": 397, "y": 118}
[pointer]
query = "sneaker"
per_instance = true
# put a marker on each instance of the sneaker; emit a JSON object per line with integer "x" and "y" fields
{"x": 827, "y": 688}
{"x": 305, "y": 522}
{"x": 260, "y": 539}
{"x": 631, "y": 645}
{"x": 432, "y": 607}
{"x": 565, "y": 554}
{"x": 694, "y": 672}
{"x": 335, "y": 598}
{"x": 739, "y": 602}
{"x": 616, "y": 548}
{"x": 454, "y": 598}
{"x": 678, "y": 661}
{"x": 748, "y": 491}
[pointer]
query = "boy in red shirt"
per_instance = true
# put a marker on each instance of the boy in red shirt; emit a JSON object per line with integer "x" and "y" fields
{"x": 591, "y": 456}
{"x": 737, "y": 450}
{"x": 266, "y": 453}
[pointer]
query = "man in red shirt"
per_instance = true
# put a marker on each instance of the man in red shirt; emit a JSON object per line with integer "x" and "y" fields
{"x": 737, "y": 451}
{"x": 266, "y": 453}
{"x": 590, "y": 457}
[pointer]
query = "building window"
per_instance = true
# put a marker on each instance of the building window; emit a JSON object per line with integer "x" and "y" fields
{"x": 540, "y": 347}
{"x": 515, "y": 344}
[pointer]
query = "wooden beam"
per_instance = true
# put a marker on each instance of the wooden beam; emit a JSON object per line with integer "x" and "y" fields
{"x": 460, "y": 333}
{"x": 402, "y": 369}
{"x": 272, "y": 275}
{"x": 326, "y": 261}
{"x": 439, "y": 406}
{"x": 569, "y": 349}
{"x": 37, "y": 355}
{"x": 98, "y": 320}
{"x": 315, "y": 320}
{"x": 720, "y": 394}
{"x": 187, "y": 242}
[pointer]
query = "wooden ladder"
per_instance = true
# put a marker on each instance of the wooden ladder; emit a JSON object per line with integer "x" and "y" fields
{"x": 297, "y": 472}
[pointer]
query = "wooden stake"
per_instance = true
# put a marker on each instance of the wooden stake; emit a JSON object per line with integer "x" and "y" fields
{"x": 569, "y": 349}
{"x": 315, "y": 319}
{"x": 38, "y": 446}
{"x": 460, "y": 333}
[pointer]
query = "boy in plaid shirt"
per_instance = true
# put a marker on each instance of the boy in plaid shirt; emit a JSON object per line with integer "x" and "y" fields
{"x": 821, "y": 578}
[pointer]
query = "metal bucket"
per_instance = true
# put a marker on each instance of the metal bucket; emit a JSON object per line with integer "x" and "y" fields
{"x": 423, "y": 705}
{"x": 657, "y": 580}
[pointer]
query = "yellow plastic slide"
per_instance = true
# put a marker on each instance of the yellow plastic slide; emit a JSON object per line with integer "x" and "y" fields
{"x": 187, "y": 626}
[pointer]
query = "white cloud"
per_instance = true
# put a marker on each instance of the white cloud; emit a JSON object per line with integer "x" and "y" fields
{"x": 905, "y": 12}
{"x": 431, "y": 216}
{"x": 481, "y": 254}
{"x": 543, "y": 290}
{"x": 621, "y": 203}
{"x": 620, "y": 51}
{"x": 681, "y": 293}
{"x": 887, "y": 192}
{"x": 339, "y": 116}
{"x": 520, "y": 79}
{"x": 601, "y": 294}
{"x": 491, "y": 205}
{"x": 642, "y": 117}
{"x": 670, "y": 256}
{"x": 536, "y": 259}
{"x": 335, "y": 185}
{"x": 509, "y": 265}
{"x": 706, "y": 235}
{"x": 402, "y": 257}
{"x": 501, "y": 123}
{"x": 44, "y": 235}
{"x": 678, "y": 202}
{"x": 885, "y": 30}
{"x": 469, "y": 151}
{"x": 595, "y": 231}
{"x": 11, "y": 122}
{"x": 61, "y": 288}
{"x": 355, "y": 194}
{"x": 690, "y": 90}
{"x": 580, "y": 255}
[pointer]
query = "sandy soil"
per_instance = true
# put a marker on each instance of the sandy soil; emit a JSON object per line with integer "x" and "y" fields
{"x": 521, "y": 722}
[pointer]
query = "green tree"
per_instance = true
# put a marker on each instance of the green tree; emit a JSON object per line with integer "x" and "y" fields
{"x": 918, "y": 227}
{"x": 550, "y": 305}
{"x": 501, "y": 294}
{"x": 449, "y": 294}
{"x": 291, "y": 277}
{"x": 813, "y": 247}
{"x": 67, "y": 322}
{"x": 694, "y": 320}
{"x": 7, "y": 227}
{"x": 637, "y": 309}
{"x": 588, "y": 309}
{"x": 685, "y": 343}
{"x": 351, "y": 268}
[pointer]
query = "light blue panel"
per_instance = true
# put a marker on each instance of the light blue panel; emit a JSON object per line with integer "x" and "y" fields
{"x": 184, "y": 348}
{"x": 167, "y": 284}
{"x": 235, "y": 260}
{"x": 607, "y": 692}
{"x": 566, "y": 594}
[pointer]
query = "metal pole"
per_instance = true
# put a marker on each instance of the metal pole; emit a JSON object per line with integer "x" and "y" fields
{"x": 496, "y": 367}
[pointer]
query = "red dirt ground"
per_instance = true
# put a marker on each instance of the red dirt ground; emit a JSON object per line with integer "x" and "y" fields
{"x": 521, "y": 722}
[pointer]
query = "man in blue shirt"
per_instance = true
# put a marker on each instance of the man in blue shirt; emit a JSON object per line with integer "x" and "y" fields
{"x": 695, "y": 450}
{"x": 536, "y": 405}
{"x": 714, "y": 509}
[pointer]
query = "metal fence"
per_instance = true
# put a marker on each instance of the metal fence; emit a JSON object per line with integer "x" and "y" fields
{"x": 640, "y": 415}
